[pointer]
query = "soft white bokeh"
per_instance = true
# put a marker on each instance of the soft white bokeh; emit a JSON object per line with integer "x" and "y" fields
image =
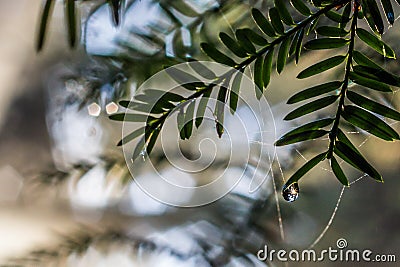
{"x": 77, "y": 136}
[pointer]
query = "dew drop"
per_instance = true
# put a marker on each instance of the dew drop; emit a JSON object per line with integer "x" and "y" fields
{"x": 291, "y": 193}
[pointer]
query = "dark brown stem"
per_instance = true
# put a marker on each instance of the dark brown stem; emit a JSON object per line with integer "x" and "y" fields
{"x": 334, "y": 131}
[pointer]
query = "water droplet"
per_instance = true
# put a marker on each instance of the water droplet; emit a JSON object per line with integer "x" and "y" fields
{"x": 291, "y": 193}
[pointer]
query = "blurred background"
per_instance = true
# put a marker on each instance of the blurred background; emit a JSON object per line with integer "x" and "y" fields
{"x": 66, "y": 196}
